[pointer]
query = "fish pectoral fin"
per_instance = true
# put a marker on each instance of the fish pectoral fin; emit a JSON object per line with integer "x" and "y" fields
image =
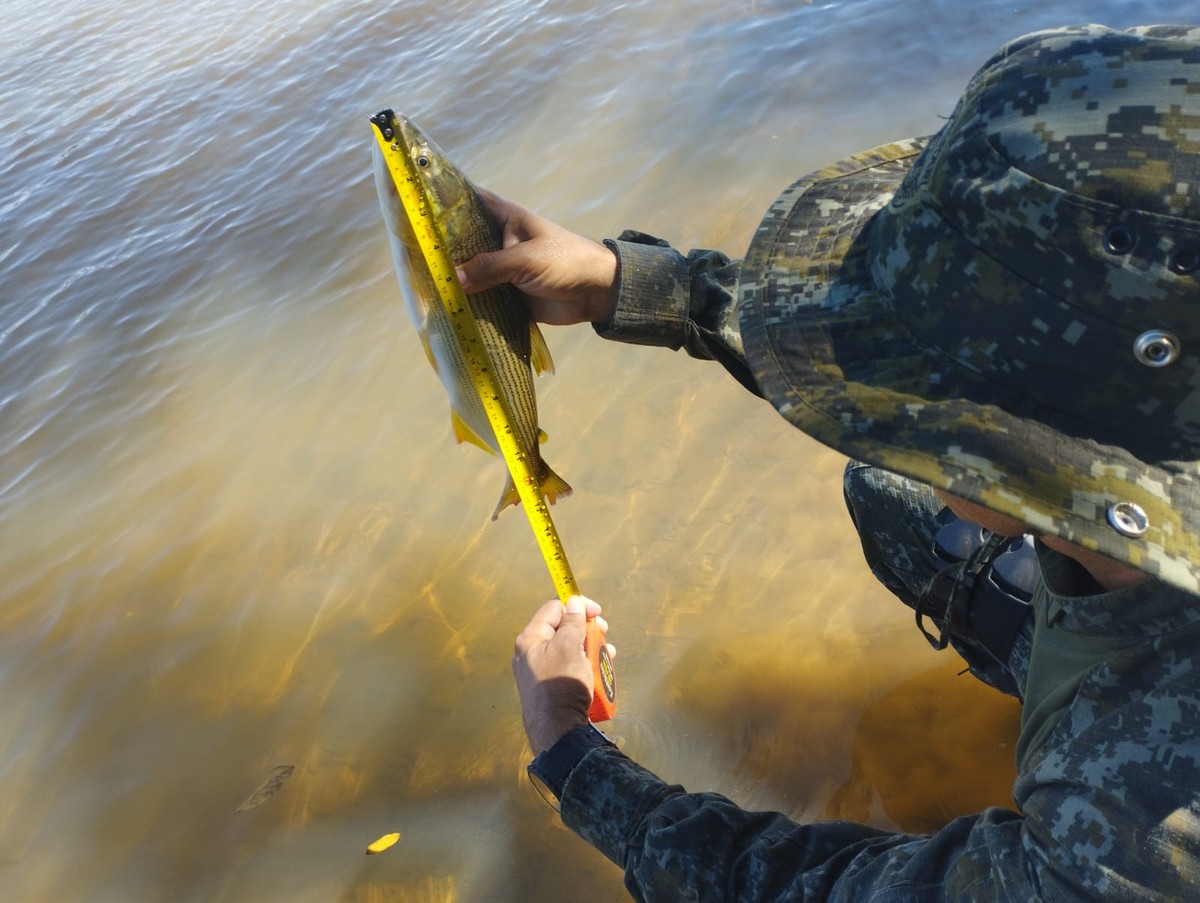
{"x": 543, "y": 437}
{"x": 463, "y": 433}
{"x": 539, "y": 352}
{"x": 554, "y": 487}
{"x": 428, "y": 349}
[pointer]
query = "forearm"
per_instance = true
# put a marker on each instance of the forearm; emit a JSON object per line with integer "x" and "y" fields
{"x": 676, "y": 845}
{"x": 675, "y": 301}
{"x": 699, "y": 846}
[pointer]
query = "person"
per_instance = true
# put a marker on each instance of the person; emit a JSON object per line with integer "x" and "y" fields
{"x": 999, "y": 325}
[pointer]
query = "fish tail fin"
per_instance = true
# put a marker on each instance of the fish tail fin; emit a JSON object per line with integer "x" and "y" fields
{"x": 539, "y": 352}
{"x": 553, "y": 488}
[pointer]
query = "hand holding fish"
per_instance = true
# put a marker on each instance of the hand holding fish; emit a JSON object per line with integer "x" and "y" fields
{"x": 554, "y": 676}
{"x": 567, "y": 278}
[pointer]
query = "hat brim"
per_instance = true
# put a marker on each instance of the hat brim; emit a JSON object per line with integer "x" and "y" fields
{"x": 829, "y": 352}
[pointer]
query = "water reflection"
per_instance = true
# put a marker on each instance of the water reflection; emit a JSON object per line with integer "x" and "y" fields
{"x": 928, "y": 750}
{"x": 824, "y": 722}
{"x": 235, "y": 533}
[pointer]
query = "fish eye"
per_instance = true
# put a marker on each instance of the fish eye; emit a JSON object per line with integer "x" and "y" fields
{"x": 423, "y": 161}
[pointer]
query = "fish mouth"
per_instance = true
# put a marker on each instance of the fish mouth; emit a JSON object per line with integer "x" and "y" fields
{"x": 385, "y": 121}
{"x": 409, "y": 133}
{"x": 394, "y": 216}
{"x": 399, "y": 129}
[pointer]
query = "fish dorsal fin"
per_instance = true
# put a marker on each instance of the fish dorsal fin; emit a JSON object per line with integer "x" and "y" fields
{"x": 539, "y": 354}
{"x": 463, "y": 433}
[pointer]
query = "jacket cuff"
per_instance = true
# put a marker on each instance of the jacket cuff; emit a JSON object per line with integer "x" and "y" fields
{"x": 607, "y": 798}
{"x": 653, "y": 293}
{"x": 554, "y": 765}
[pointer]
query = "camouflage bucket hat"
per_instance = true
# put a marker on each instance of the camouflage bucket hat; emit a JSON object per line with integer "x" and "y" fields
{"x": 1010, "y": 310}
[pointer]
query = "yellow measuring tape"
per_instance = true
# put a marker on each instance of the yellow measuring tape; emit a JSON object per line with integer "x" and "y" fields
{"x": 441, "y": 268}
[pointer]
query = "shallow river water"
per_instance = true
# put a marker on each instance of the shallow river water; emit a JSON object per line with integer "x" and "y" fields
{"x": 235, "y": 531}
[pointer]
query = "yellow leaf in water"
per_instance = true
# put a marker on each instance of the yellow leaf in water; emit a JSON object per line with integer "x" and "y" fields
{"x": 383, "y": 843}
{"x": 268, "y": 787}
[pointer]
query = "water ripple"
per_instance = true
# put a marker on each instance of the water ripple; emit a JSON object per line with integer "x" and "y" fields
{"x": 234, "y": 527}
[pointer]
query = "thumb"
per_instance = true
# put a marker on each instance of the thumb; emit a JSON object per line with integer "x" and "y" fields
{"x": 574, "y": 616}
{"x": 487, "y": 270}
{"x": 575, "y": 610}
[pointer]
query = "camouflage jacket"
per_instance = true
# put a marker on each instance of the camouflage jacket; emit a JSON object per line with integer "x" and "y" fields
{"x": 1107, "y": 798}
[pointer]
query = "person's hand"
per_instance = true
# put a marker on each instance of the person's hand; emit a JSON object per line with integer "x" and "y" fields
{"x": 566, "y": 277}
{"x": 554, "y": 676}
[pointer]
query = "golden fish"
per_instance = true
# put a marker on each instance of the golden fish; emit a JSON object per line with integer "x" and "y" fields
{"x": 513, "y": 342}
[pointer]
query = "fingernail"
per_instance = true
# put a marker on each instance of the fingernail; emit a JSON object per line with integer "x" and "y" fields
{"x": 574, "y": 605}
{"x": 461, "y": 274}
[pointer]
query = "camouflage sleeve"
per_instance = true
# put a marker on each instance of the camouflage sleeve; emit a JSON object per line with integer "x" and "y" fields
{"x": 675, "y": 845}
{"x": 677, "y": 301}
{"x": 1108, "y": 811}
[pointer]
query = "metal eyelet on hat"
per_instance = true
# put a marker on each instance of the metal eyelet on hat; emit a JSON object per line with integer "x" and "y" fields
{"x": 1128, "y": 519}
{"x": 1119, "y": 239}
{"x": 1183, "y": 261}
{"x": 1156, "y": 348}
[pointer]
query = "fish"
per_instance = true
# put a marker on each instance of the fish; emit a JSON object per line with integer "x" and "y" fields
{"x": 267, "y": 788}
{"x": 511, "y": 338}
